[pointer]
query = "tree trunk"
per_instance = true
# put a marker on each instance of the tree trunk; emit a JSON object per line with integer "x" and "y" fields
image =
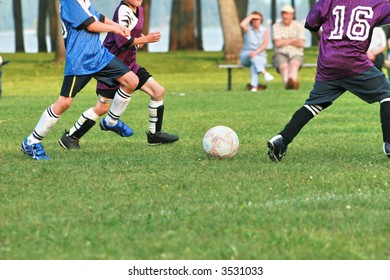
{"x": 199, "y": 33}
{"x": 42, "y": 16}
{"x": 314, "y": 40}
{"x": 59, "y": 42}
{"x": 273, "y": 11}
{"x": 53, "y": 28}
{"x": 242, "y": 8}
{"x": 145, "y": 30}
{"x": 182, "y": 35}
{"x": 18, "y": 22}
{"x": 232, "y": 34}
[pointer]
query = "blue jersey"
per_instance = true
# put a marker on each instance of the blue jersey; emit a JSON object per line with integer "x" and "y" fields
{"x": 346, "y": 35}
{"x": 84, "y": 52}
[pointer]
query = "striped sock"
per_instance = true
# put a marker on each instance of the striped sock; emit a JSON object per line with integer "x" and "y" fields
{"x": 45, "y": 124}
{"x": 118, "y": 107}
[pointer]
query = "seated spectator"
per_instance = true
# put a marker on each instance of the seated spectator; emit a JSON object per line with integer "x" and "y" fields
{"x": 253, "y": 53}
{"x": 1, "y": 73}
{"x": 289, "y": 41}
{"x": 377, "y": 47}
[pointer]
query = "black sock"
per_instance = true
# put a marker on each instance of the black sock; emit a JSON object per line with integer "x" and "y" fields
{"x": 385, "y": 120}
{"x": 300, "y": 118}
{"x": 87, "y": 125}
{"x": 160, "y": 115}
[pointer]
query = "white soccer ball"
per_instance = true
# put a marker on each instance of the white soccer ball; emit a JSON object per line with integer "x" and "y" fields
{"x": 220, "y": 142}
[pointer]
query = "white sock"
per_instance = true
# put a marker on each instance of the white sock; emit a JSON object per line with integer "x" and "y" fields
{"x": 153, "y": 105}
{"x": 89, "y": 114}
{"x": 118, "y": 107}
{"x": 45, "y": 124}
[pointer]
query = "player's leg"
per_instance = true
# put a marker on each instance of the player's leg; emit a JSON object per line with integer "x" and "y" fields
{"x": 385, "y": 122}
{"x": 372, "y": 86}
{"x": 70, "y": 139}
{"x": 70, "y": 87}
{"x": 114, "y": 73}
{"x": 150, "y": 86}
{"x": 321, "y": 97}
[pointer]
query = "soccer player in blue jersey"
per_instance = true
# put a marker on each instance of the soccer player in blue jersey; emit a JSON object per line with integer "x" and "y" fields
{"x": 86, "y": 58}
{"x": 344, "y": 29}
{"x": 129, "y": 14}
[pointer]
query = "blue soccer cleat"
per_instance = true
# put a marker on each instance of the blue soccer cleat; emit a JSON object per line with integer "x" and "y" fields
{"x": 35, "y": 151}
{"x": 120, "y": 128}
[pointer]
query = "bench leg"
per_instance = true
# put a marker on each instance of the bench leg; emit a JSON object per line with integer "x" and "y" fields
{"x": 229, "y": 72}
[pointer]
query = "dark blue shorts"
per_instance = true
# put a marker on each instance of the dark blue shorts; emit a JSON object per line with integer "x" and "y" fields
{"x": 108, "y": 75}
{"x": 143, "y": 76}
{"x": 370, "y": 86}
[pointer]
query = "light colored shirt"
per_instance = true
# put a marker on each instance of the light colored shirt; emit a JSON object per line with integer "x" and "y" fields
{"x": 253, "y": 39}
{"x": 378, "y": 39}
{"x": 294, "y": 30}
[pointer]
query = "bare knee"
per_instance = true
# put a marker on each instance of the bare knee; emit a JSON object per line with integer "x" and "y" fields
{"x": 154, "y": 90}
{"x": 158, "y": 94}
{"x": 129, "y": 82}
{"x": 62, "y": 104}
{"x": 102, "y": 107}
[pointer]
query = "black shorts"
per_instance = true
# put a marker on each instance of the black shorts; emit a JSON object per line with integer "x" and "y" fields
{"x": 370, "y": 86}
{"x": 143, "y": 76}
{"x": 108, "y": 75}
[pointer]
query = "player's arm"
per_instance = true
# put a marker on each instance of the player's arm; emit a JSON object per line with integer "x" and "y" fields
{"x": 105, "y": 25}
{"x": 246, "y": 21}
{"x": 316, "y": 34}
{"x": 152, "y": 37}
{"x": 316, "y": 31}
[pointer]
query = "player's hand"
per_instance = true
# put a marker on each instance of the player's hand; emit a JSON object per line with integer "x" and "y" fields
{"x": 120, "y": 30}
{"x": 371, "y": 56}
{"x": 153, "y": 37}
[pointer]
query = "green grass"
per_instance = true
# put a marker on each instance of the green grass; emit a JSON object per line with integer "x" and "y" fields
{"x": 119, "y": 198}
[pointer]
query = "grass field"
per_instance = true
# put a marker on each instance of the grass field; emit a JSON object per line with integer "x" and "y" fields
{"x": 119, "y": 198}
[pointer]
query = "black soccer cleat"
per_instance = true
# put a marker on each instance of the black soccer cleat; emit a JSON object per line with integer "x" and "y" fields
{"x": 161, "y": 137}
{"x": 69, "y": 142}
{"x": 276, "y": 148}
{"x": 386, "y": 149}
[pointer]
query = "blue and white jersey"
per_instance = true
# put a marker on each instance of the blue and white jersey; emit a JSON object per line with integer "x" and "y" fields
{"x": 85, "y": 53}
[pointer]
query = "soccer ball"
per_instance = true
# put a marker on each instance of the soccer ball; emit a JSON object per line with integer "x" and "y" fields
{"x": 220, "y": 142}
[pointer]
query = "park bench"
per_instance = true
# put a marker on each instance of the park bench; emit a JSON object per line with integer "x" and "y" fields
{"x": 230, "y": 67}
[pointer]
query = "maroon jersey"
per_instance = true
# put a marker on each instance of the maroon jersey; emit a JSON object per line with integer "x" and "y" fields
{"x": 119, "y": 45}
{"x": 346, "y": 35}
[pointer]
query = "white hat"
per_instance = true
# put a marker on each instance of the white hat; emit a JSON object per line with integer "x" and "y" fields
{"x": 288, "y": 9}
